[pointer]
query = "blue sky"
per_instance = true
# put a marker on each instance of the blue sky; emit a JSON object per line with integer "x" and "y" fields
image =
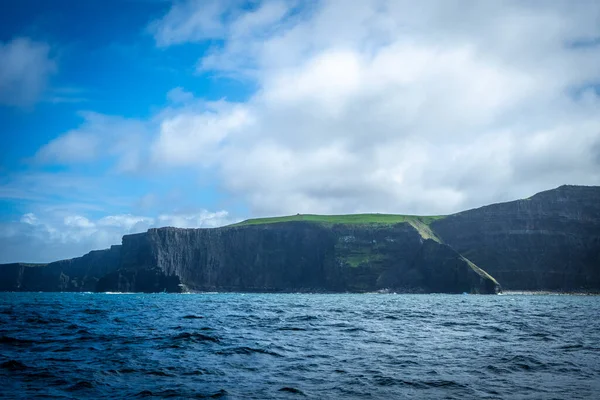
{"x": 117, "y": 116}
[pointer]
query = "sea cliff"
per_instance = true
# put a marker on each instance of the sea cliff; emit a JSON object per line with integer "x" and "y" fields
{"x": 550, "y": 241}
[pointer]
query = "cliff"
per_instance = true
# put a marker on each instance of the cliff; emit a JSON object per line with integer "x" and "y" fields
{"x": 550, "y": 241}
{"x": 305, "y": 256}
{"x": 79, "y": 274}
{"x": 288, "y": 256}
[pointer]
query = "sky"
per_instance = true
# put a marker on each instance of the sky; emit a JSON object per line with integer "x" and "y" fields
{"x": 121, "y": 115}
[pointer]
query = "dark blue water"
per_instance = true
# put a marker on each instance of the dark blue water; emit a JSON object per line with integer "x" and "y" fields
{"x": 266, "y": 346}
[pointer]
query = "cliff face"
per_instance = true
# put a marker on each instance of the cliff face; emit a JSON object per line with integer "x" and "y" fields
{"x": 303, "y": 256}
{"x": 294, "y": 256}
{"x": 79, "y": 274}
{"x": 549, "y": 241}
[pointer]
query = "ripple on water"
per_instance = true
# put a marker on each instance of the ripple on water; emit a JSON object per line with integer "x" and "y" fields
{"x": 244, "y": 350}
{"x": 288, "y": 389}
{"x": 12, "y": 341}
{"x": 271, "y": 346}
{"x": 13, "y": 365}
{"x": 191, "y": 316}
{"x": 195, "y": 337}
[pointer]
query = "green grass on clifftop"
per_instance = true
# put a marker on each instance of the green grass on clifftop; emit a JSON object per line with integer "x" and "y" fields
{"x": 349, "y": 219}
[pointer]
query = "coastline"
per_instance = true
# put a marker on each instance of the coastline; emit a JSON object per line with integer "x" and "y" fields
{"x": 549, "y": 293}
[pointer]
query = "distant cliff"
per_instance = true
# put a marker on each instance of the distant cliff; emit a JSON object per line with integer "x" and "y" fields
{"x": 548, "y": 242}
{"x": 79, "y": 274}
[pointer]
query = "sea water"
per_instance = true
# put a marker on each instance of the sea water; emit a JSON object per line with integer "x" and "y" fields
{"x": 321, "y": 346}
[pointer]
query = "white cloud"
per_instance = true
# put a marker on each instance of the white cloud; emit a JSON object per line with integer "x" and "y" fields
{"x": 398, "y": 107}
{"x": 192, "y": 21}
{"x": 385, "y": 106}
{"x": 29, "y": 219}
{"x": 56, "y": 235}
{"x": 77, "y": 221}
{"x": 240, "y": 25}
{"x": 128, "y": 222}
{"x": 99, "y": 136}
{"x": 75, "y": 146}
{"x": 189, "y": 138}
{"x": 24, "y": 71}
{"x": 203, "y": 219}
{"x": 199, "y": 20}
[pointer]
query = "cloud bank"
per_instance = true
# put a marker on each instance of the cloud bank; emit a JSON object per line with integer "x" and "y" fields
{"x": 387, "y": 106}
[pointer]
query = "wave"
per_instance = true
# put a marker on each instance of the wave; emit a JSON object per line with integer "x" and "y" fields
{"x": 9, "y": 340}
{"x": 118, "y": 293}
{"x": 42, "y": 321}
{"x": 291, "y": 328}
{"x": 81, "y": 385}
{"x": 13, "y": 365}
{"x": 191, "y": 316}
{"x": 418, "y": 384}
{"x": 94, "y": 311}
{"x": 244, "y": 350}
{"x": 195, "y": 337}
{"x": 289, "y": 389}
{"x": 522, "y": 362}
{"x": 268, "y": 347}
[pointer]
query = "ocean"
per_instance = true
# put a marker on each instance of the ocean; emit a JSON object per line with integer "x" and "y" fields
{"x": 320, "y": 346}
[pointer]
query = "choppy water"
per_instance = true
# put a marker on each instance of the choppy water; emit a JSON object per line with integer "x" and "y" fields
{"x": 266, "y": 346}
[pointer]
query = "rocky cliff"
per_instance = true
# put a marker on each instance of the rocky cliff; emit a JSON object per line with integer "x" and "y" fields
{"x": 293, "y": 256}
{"x": 549, "y": 241}
{"x": 290, "y": 256}
{"x": 79, "y": 274}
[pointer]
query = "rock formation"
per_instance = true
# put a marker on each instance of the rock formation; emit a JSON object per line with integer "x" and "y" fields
{"x": 550, "y": 241}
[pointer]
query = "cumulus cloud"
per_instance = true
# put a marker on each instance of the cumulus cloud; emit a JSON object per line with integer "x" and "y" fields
{"x": 24, "y": 71}
{"x": 392, "y": 106}
{"x": 192, "y": 21}
{"x": 203, "y": 219}
{"x": 381, "y": 105}
{"x": 128, "y": 222}
{"x": 100, "y": 136}
{"x": 189, "y": 137}
{"x": 77, "y": 221}
{"x": 54, "y": 236}
{"x": 236, "y": 28}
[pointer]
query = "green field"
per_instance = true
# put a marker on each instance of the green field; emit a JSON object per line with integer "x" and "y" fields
{"x": 349, "y": 219}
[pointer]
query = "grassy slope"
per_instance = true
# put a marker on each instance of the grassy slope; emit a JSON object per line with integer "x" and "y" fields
{"x": 350, "y": 219}
{"x": 478, "y": 270}
{"x": 424, "y": 230}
